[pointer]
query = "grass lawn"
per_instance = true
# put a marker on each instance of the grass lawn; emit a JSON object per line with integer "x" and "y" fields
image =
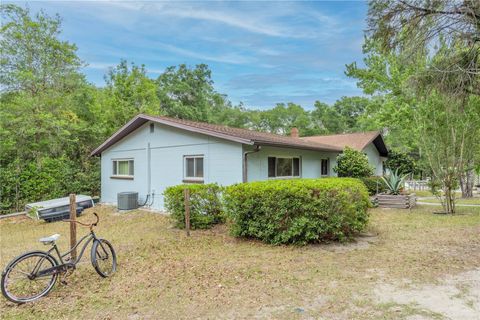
{"x": 422, "y": 193}
{"x": 162, "y": 274}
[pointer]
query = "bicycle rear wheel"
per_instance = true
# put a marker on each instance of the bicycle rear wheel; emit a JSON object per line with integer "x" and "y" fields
{"x": 104, "y": 259}
{"x": 20, "y": 282}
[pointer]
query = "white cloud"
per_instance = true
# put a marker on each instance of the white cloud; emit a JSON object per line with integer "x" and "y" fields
{"x": 257, "y": 19}
{"x": 231, "y": 58}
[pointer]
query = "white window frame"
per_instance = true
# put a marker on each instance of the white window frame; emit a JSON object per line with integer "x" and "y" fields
{"x": 328, "y": 167}
{"x": 286, "y": 177}
{"x": 195, "y": 156}
{"x": 126, "y": 176}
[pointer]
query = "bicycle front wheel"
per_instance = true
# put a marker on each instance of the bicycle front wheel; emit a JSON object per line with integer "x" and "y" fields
{"x": 27, "y": 278}
{"x": 103, "y": 258}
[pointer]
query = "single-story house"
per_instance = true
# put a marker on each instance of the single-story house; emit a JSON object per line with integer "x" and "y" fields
{"x": 149, "y": 154}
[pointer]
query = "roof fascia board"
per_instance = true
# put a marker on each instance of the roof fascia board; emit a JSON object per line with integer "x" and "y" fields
{"x": 110, "y": 141}
{"x": 107, "y": 142}
{"x": 283, "y": 145}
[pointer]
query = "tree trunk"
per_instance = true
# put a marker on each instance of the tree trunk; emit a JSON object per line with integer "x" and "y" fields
{"x": 466, "y": 184}
{"x": 449, "y": 195}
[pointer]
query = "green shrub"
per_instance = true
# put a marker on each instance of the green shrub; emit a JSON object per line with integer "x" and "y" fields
{"x": 297, "y": 211}
{"x": 44, "y": 179}
{"x": 401, "y": 161}
{"x": 373, "y": 184}
{"x": 352, "y": 163}
{"x": 205, "y": 205}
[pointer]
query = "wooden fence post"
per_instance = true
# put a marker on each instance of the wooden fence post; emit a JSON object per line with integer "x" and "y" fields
{"x": 187, "y": 211}
{"x": 73, "y": 226}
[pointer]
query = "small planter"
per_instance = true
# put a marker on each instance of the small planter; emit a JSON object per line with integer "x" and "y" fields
{"x": 402, "y": 201}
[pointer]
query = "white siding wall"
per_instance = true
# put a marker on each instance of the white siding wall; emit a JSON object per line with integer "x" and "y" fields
{"x": 310, "y": 161}
{"x": 374, "y": 158}
{"x": 222, "y": 163}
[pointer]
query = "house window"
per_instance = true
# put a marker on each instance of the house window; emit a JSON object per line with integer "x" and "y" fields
{"x": 283, "y": 167}
{"x": 324, "y": 167}
{"x": 152, "y": 127}
{"x": 194, "y": 167}
{"x": 123, "y": 168}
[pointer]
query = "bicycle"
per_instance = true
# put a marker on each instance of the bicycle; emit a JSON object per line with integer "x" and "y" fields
{"x": 32, "y": 275}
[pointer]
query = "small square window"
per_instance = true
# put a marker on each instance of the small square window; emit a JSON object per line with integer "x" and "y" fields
{"x": 123, "y": 167}
{"x": 194, "y": 167}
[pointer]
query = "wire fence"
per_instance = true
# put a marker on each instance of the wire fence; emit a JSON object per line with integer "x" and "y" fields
{"x": 417, "y": 185}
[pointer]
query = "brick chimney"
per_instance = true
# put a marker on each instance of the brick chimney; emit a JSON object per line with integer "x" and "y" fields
{"x": 294, "y": 133}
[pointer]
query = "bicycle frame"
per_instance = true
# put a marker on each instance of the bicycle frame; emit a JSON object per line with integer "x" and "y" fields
{"x": 88, "y": 237}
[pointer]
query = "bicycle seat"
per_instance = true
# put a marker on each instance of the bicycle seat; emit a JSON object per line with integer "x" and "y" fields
{"x": 50, "y": 239}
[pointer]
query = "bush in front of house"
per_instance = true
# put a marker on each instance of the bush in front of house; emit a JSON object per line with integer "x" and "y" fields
{"x": 297, "y": 211}
{"x": 205, "y": 205}
{"x": 353, "y": 163}
{"x": 374, "y": 184}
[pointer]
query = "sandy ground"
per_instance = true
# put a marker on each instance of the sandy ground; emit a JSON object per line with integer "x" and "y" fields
{"x": 455, "y": 297}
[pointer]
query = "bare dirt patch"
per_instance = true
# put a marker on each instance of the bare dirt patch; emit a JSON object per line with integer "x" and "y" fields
{"x": 454, "y": 297}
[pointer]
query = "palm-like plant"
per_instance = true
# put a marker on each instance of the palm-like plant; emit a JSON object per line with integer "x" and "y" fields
{"x": 394, "y": 182}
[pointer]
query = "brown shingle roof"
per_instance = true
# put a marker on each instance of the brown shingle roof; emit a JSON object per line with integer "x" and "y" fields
{"x": 244, "y": 136}
{"x": 357, "y": 141}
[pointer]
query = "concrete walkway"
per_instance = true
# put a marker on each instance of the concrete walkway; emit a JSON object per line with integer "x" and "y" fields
{"x": 419, "y": 201}
{"x": 439, "y": 204}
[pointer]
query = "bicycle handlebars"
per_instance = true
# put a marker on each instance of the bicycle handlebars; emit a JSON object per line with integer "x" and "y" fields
{"x": 90, "y": 225}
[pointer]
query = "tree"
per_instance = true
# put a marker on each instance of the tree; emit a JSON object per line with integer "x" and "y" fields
{"x": 400, "y": 161}
{"x": 43, "y": 103}
{"x": 282, "y": 118}
{"x": 414, "y": 26}
{"x": 353, "y": 163}
{"x": 351, "y": 110}
{"x": 33, "y": 58}
{"x": 448, "y": 129}
{"x": 188, "y": 93}
{"x": 423, "y": 60}
{"x": 446, "y": 31}
{"x": 128, "y": 92}
{"x": 385, "y": 78}
{"x": 342, "y": 117}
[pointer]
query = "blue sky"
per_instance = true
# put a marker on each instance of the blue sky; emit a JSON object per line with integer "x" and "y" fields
{"x": 260, "y": 53}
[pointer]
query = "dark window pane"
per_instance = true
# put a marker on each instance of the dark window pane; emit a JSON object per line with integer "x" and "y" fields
{"x": 189, "y": 163}
{"x": 296, "y": 167}
{"x": 324, "y": 167}
{"x": 284, "y": 167}
{"x": 114, "y": 167}
{"x": 271, "y": 167}
{"x": 199, "y": 167}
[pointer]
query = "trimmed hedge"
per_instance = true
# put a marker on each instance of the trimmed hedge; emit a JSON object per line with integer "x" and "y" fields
{"x": 298, "y": 211}
{"x": 205, "y": 205}
{"x": 372, "y": 183}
